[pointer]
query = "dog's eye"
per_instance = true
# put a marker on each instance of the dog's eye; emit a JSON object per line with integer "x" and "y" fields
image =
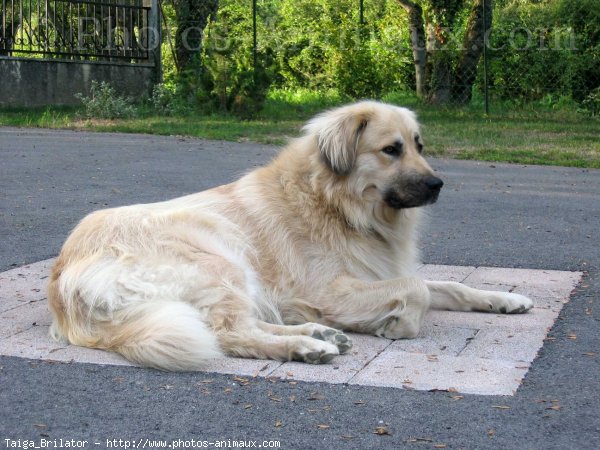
{"x": 392, "y": 150}
{"x": 419, "y": 144}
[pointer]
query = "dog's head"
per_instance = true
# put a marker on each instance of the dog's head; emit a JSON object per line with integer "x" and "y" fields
{"x": 377, "y": 148}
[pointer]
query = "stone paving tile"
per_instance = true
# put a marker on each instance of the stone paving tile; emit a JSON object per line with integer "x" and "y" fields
{"x": 478, "y": 353}
{"x": 505, "y": 344}
{"x": 24, "y": 284}
{"x": 436, "y": 339}
{"x": 34, "y": 343}
{"x": 454, "y": 373}
{"x": 436, "y": 272}
{"x": 491, "y": 286}
{"x": 23, "y": 317}
{"x": 72, "y": 353}
{"x": 556, "y": 283}
{"x": 342, "y": 368}
{"x": 242, "y": 366}
{"x": 536, "y": 318}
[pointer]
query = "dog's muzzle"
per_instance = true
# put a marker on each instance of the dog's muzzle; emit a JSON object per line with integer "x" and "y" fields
{"x": 413, "y": 192}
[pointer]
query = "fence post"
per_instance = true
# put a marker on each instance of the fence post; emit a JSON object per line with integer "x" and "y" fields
{"x": 254, "y": 40}
{"x": 361, "y": 10}
{"x": 155, "y": 37}
{"x": 485, "y": 59}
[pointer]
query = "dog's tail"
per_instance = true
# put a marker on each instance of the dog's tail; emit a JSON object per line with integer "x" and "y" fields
{"x": 163, "y": 335}
{"x": 166, "y": 334}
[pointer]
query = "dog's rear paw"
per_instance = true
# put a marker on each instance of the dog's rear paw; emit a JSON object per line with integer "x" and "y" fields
{"x": 512, "y": 304}
{"x": 317, "y": 352}
{"x": 335, "y": 337}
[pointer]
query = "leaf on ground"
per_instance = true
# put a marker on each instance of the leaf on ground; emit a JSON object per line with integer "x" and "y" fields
{"x": 323, "y": 426}
{"x": 382, "y": 431}
{"x": 359, "y": 402}
{"x": 316, "y": 396}
{"x": 418, "y": 439}
{"x": 273, "y": 397}
{"x": 227, "y": 390}
{"x": 439, "y": 446}
{"x": 205, "y": 381}
{"x": 491, "y": 432}
{"x": 554, "y": 407}
{"x": 40, "y": 426}
{"x": 346, "y": 436}
{"x": 167, "y": 387}
{"x": 248, "y": 406}
{"x": 242, "y": 381}
{"x": 457, "y": 397}
{"x": 278, "y": 423}
{"x": 572, "y": 336}
{"x": 590, "y": 354}
{"x": 500, "y": 406}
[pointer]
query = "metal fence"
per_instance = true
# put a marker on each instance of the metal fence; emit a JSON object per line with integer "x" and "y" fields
{"x": 76, "y": 29}
{"x": 507, "y": 60}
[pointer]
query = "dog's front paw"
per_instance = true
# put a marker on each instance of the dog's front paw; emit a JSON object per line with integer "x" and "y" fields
{"x": 510, "y": 303}
{"x": 398, "y": 328}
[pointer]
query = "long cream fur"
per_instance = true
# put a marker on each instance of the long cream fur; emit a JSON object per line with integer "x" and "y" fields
{"x": 269, "y": 266}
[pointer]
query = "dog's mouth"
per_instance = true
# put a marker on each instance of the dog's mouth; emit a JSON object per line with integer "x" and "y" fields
{"x": 424, "y": 191}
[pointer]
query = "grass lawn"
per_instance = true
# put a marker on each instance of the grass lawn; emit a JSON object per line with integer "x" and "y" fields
{"x": 517, "y": 135}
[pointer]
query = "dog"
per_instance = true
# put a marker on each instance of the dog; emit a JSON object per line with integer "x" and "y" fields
{"x": 275, "y": 265}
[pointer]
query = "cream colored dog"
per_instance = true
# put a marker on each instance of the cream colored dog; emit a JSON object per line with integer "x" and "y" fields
{"x": 271, "y": 266}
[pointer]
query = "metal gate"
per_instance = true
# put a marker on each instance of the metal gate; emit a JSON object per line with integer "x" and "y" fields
{"x": 117, "y": 41}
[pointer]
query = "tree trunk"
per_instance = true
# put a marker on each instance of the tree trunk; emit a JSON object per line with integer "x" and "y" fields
{"x": 192, "y": 17}
{"x": 475, "y": 36}
{"x": 442, "y": 17}
{"x": 417, "y": 41}
{"x": 438, "y": 70}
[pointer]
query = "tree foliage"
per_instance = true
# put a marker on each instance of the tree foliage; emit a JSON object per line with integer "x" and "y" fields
{"x": 431, "y": 47}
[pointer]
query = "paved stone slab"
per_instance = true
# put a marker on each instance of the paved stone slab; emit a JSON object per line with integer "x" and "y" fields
{"x": 468, "y": 352}
{"x": 343, "y": 368}
{"x": 441, "y": 372}
{"x": 505, "y": 344}
{"x": 436, "y": 272}
{"x": 436, "y": 339}
{"x": 24, "y": 284}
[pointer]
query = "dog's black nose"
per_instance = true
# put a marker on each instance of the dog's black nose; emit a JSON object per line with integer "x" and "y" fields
{"x": 433, "y": 183}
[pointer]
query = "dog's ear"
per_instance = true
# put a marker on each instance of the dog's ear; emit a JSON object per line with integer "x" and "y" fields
{"x": 337, "y": 134}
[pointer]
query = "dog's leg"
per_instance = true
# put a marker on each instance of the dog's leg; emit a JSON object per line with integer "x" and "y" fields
{"x": 454, "y": 296}
{"x": 250, "y": 341}
{"x": 392, "y": 308}
{"x": 314, "y": 330}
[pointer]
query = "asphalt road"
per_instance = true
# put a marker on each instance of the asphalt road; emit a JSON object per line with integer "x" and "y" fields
{"x": 488, "y": 214}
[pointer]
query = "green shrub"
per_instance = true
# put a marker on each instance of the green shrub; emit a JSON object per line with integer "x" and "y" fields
{"x": 591, "y": 104}
{"x": 104, "y": 103}
{"x": 227, "y": 78}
